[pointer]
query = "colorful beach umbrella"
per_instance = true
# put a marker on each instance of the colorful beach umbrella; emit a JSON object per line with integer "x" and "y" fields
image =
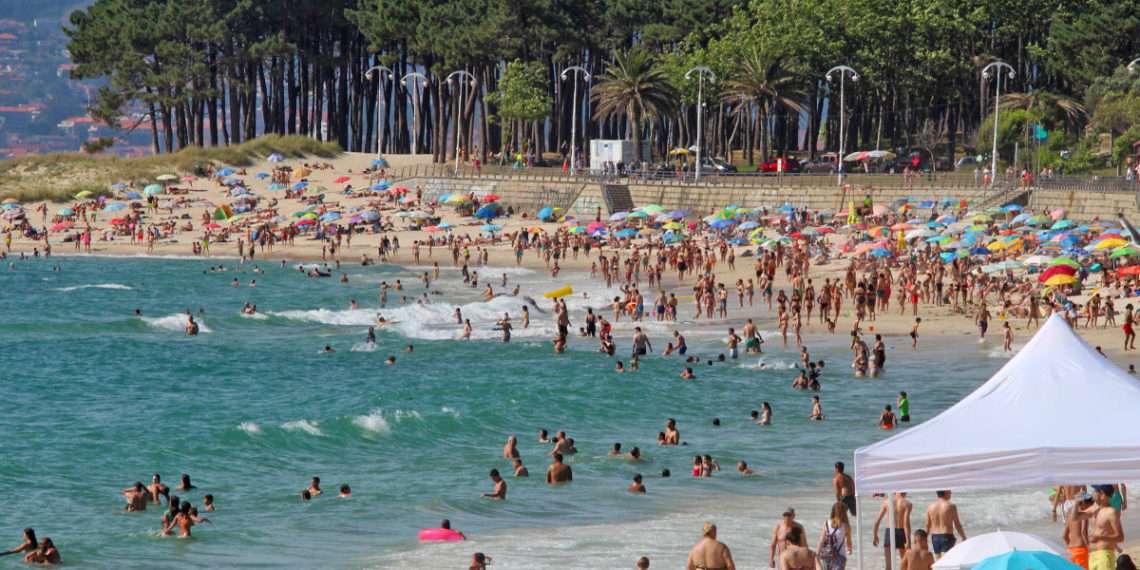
{"x": 1026, "y": 560}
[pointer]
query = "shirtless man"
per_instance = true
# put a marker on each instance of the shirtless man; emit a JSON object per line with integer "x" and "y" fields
{"x": 672, "y": 436}
{"x": 709, "y": 553}
{"x": 157, "y": 489}
{"x": 641, "y": 344}
{"x": 137, "y": 497}
{"x": 781, "y": 536}
{"x": 918, "y": 557}
{"x": 520, "y": 469}
{"x": 637, "y": 486}
{"x": 561, "y": 444}
{"x": 559, "y": 472}
{"x": 844, "y": 487}
{"x": 315, "y": 487}
{"x": 1105, "y": 532}
{"x": 1076, "y": 534}
{"x": 499, "y": 493}
{"x": 901, "y": 526}
{"x": 941, "y": 523}
{"x": 797, "y": 556}
{"x": 511, "y": 449}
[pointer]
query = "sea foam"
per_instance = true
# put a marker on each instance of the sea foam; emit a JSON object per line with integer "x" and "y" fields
{"x": 176, "y": 322}
{"x": 113, "y": 286}
{"x": 303, "y": 425}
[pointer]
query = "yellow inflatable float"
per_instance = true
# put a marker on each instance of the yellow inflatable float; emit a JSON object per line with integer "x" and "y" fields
{"x": 564, "y": 291}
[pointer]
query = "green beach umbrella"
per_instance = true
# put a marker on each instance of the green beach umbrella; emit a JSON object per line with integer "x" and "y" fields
{"x": 1065, "y": 261}
{"x": 1123, "y": 251}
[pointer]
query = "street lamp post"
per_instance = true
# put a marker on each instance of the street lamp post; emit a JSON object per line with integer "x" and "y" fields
{"x": 578, "y": 71}
{"x": 415, "y": 75}
{"x": 994, "y": 70}
{"x": 380, "y": 112}
{"x": 464, "y": 77}
{"x": 843, "y": 72}
{"x": 701, "y": 71}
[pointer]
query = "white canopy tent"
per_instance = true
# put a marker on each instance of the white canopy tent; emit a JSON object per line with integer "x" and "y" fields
{"x": 1057, "y": 413}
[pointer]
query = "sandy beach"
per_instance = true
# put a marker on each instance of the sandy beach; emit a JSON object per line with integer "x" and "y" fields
{"x": 206, "y": 195}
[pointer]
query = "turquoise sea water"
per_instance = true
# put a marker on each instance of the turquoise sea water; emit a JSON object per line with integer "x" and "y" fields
{"x": 96, "y": 398}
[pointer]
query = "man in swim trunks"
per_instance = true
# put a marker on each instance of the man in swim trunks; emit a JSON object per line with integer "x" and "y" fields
{"x": 641, "y": 344}
{"x": 559, "y": 472}
{"x": 941, "y": 523}
{"x": 844, "y": 487}
{"x": 709, "y": 553}
{"x": 1076, "y": 534}
{"x": 1105, "y": 532}
{"x": 137, "y": 497}
{"x": 899, "y": 531}
{"x": 781, "y": 535}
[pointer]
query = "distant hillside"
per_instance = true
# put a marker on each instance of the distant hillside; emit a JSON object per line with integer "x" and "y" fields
{"x": 28, "y": 9}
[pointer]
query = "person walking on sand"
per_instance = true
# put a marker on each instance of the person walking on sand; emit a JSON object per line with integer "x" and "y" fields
{"x": 781, "y": 536}
{"x": 1105, "y": 532}
{"x": 897, "y": 530}
{"x": 918, "y": 557}
{"x": 797, "y": 556}
{"x": 1076, "y": 533}
{"x": 835, "y": 539}
{"x": 941, "y": 523}
{"x": 709, "y": 553}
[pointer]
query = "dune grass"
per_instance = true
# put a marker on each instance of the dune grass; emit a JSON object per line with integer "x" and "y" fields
{"x": 58, "y": 177}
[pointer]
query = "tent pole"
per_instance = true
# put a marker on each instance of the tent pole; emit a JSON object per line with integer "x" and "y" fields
{"x": 859, "y": 530}
{"x": 890, "y": 543}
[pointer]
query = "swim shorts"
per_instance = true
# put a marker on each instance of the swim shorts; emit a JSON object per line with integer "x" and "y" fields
{"x": 1102, "y": 560}
{"x": 1079, "y": 555}
{"x": 849, "y": 501}
{"x": 941, "y": 543}
{"x": 900, "y": 538}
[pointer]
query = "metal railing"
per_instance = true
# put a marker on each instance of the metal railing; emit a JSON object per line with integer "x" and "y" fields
{"x": 943, "y": 181}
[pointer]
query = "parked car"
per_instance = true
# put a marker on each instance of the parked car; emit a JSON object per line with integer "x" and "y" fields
{"x": 820, "y": 165}
{"x": 710, "y": 164}
{"x": 791, "y": 165}
{"x": 966, "y": 163}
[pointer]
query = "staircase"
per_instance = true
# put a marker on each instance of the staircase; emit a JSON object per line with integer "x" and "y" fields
{"x": 1017, "y": 194}
{"x": 617, "y": 197}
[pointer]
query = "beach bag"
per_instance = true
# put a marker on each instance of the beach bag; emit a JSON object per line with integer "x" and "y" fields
{"x": 830, "y": 548}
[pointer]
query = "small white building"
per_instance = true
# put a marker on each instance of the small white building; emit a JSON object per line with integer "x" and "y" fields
{"x": 615, "y": 151}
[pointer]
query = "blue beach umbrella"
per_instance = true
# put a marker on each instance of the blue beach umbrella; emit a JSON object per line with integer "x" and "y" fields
{"x": 370, "y": 216}
{"x": 65, "y": 212}
{"x": 751, "y": 226}
{"x": 114, "y": 207}
{"x": 330, "y": 217}
{"x": 491, "y": 227}
{"x": 133, "y": 196}
{"x": 379, "y": 163}
{"x": 628, "y": 232}
{"x": 152, "y": 189}
{"x": 881, "y": 252}
{"x": 262, "y": 175}
{"x": 487, "y": 212}
{"x": 300, "y": 185}
{"x": 225, "y": 172}
{"x": 619, "y": 216}
{"x": 980, "y": 251}
{"x": 118, "y": 186}
{"x": 721, "y": 224}
{"x": 546, "y": 213}
{"x": 1024, "y": 560}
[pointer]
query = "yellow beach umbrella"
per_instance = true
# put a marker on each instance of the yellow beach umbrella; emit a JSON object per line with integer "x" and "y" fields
{"x": 1110, "y": 242}
{"x": 1057, "y": 280}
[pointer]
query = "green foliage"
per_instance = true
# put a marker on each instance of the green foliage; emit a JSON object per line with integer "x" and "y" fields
{"x": 635, "y": 86}
{"x": 1015, "y": 126}
{"x": 522, "y": 92}
{"x": 58, "y": 177}
{"x": 98, "y": 145}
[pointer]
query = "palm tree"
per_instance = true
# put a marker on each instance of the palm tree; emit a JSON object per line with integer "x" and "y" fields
{"x": 636, "y": 87}
{"x": 764, "y": 79}
{"x": 1042, "y": 102}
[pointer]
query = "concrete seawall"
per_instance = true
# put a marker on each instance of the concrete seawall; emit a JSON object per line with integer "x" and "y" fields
{"x": 583, "y": 197}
